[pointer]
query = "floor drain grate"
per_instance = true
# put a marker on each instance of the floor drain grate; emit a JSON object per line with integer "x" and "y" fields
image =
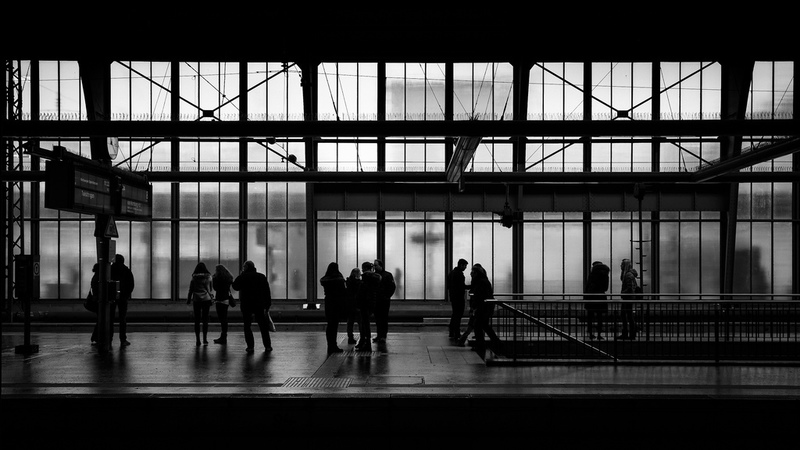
{"x": 310, "y": 382}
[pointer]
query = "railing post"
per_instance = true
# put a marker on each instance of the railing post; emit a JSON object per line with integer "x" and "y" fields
{"x": 716, "y": 332}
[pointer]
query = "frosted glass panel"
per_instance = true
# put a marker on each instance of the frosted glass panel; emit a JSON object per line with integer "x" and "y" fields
{"x": 139, "y": 259}
{"x": 69, "y": 260}
{"x": 277, "y": 259}
{"x": 297, "y": 261}
{"x": 257, "y": 201}
{"x": 434, "y": 261}
{"x": 161, "y": 248}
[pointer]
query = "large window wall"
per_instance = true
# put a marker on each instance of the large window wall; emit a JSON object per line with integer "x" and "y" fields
{"x": 268, "y": 222}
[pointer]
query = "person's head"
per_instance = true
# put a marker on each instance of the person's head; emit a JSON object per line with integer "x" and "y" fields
{"x": 367, "y": 266}
{"x": 333, "y": 269}
{"x": 221, "y": 271}
{"x": 625, "y": 265}
{"x": 478, "y": 271}
{"x": 462, "y": 264}
{"x": 378, "y": 265}
{"x": 119, "y": 259}
{"x": 94, "y": 267}
{"x": 200, "y": 268}
{"x": 355, "y": 273}
{"x": 248, "y": 266}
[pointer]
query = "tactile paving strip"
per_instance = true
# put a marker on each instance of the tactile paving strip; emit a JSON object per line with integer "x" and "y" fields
{"x": 310, "y": 382}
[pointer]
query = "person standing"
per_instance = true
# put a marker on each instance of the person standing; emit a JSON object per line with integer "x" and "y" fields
{"x": 335, "y": 288}
{"x": 456, "y": 285}
{"x": 481, "y": 290}
{"x": 123, "y": 275}
{"x": 221, "y": 282}
{"x": 628, "y": 292}
{"x": 352, "y": 283}
{"x": 94, "y": 286}
{"x": 367, "y": 294}
{"x": 255, "y": 299}
{"x": 596, "y": 287}
{"x": 200, "y": 297}
{"x": 383, "y": 301}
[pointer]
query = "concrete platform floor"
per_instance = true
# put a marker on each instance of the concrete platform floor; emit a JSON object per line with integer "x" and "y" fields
{"x": 416, "y": 384}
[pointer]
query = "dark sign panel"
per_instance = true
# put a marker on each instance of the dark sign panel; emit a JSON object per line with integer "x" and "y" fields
{"x": 90, "y": 189}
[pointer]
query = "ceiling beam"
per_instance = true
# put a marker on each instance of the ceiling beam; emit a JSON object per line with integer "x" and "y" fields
{"x": 510, "y": 128}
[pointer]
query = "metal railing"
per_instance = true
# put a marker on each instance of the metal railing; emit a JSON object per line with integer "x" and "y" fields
{"x": 672, "y": 327}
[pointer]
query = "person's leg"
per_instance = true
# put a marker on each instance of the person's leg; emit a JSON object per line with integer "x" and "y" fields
{"x": 364, "y": 331}
{"x": 222, "y": 314}
{"x": 123, "y": 321}
{"x": 263, "y": 327}
{"x": 331, "y": 332}
{"x": 112, "y": 312}
{"x": 457, "y": 305}
{"x": 351, "y": 320}
{"x": 247, "y": 319}
{"x": 197, "y": 310}
{"x": 206, "y": 307}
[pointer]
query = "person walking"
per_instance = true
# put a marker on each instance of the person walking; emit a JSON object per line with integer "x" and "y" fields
{"x": 255, "y": 300}
{"x": 481, "y": 290}
{"x": 200, "y": 297}
{"x": 367, "y": 294}
{"x": 383, "y": 301}
{"x": 221, "y": 282}
{"x": 123, "y": 275}
{"x": 352, "y": 283}
{"x": 456, "y": 287}
{"x": 596, "y": 308}
{"x": 628, "y": 277}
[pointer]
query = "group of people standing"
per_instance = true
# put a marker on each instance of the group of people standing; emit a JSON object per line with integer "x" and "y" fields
{"x": 255, "y": 298}
{"x": 365, "y": 293}
{"x": 118, "y": 303}
{"x": 480, "y": 311}
{"x": 596, "y": 308}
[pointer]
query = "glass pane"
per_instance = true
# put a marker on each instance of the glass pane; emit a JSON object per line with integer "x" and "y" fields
{"x": 277, "y": 259}
{"x": 189, "y": 200}
{"x": 69, "y": 260}
{"x": 209, "y": 200}
{"x": 139, "y": 261}
{"x": 229, "y": 200}
{"x": 435, "y": 270}
{"x": 209, "y": 244}
{"x": 162, "y": 198}
{"x": 257, "y": 201}
{"x": 297, "y": 261}
{"x": 276, "y": 200}
{"x": 162, "y": 259}
{"x": 533, "y": 258}
{"x": 189, "y": 257}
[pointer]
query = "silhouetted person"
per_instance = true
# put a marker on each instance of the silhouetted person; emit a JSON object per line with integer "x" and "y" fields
{"x": 221, "y": 281}
{"x": 367, "y": 294}
{"x": 596, "y": 307}
{"x": 255, "y": 299}
{"x": 200, "y": 297}
{"x": 353, "y": 283}
{"x": 95, "y": 285}
{"x": 333, "y": 284}
{"x": 481, "y": 290}
{"x": 627, "y": 292}
{"x": 383, "y": 301}
{"x": 456, "y": 287}
{"x": 122, "y": 274}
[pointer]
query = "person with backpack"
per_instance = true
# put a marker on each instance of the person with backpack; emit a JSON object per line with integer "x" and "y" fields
{"x": 366, "y": 299}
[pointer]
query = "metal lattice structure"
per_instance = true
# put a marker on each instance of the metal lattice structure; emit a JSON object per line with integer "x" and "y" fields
{"x": 13, "y": 233}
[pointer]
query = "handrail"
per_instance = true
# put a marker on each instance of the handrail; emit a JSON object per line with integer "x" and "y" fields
{"x": 617, "y": 297}
{"x": 556, "y": 330}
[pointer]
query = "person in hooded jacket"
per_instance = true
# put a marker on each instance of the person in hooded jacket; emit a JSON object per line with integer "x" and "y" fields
{"x": 353, "y": 283}
{"x": 221, "y": 281}
{"x": 333, "y": 283}
{"x": 200, "y": 297}
{"x": 383, "y": 301}
{"x": 628, "y": 277}
{"x": 596, "y": 307}
{"x": 255, "y": 299}
{"x": 367, "y": 296}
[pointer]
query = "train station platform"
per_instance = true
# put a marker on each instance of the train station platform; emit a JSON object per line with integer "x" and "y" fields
{"x": 416, "y": 390}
